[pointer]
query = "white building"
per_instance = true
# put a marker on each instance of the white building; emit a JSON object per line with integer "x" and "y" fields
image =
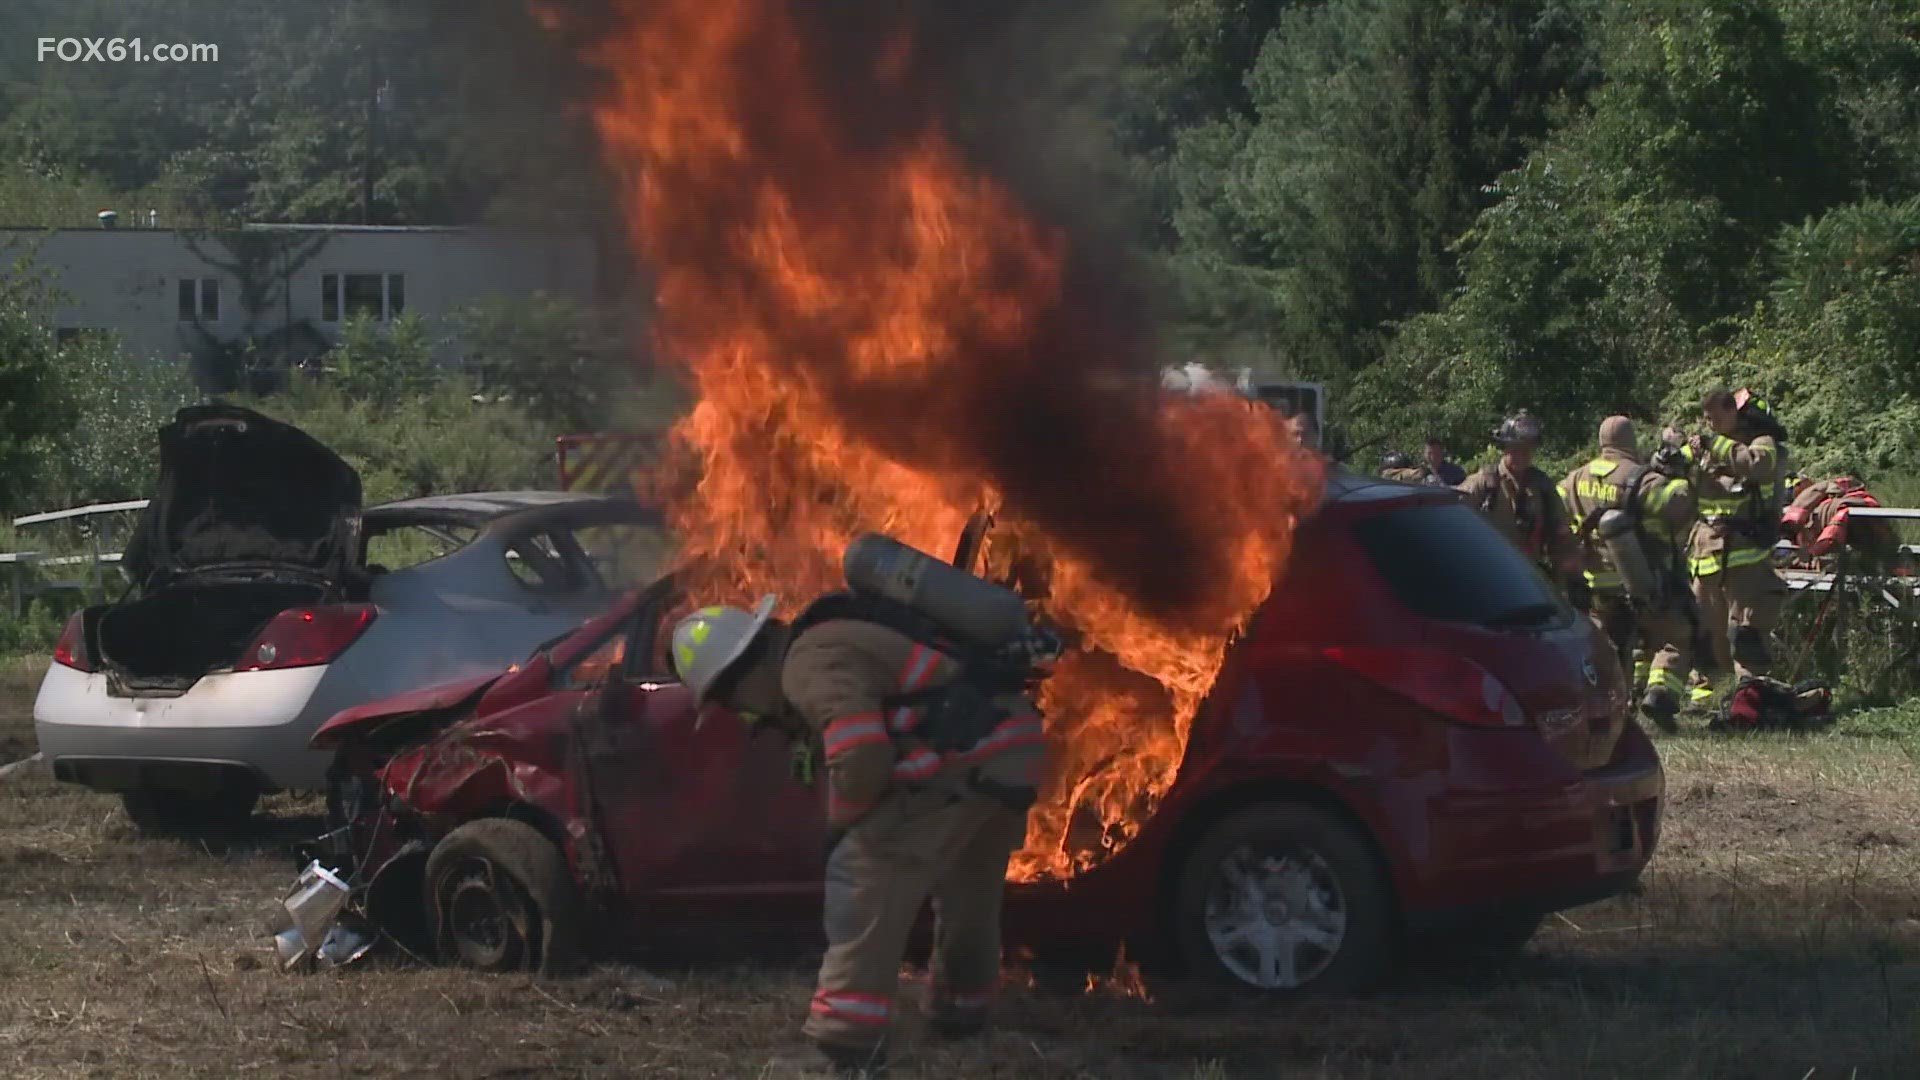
{"x": 290, "y": 288}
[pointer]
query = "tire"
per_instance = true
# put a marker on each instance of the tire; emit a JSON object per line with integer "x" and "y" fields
{"x": 501, "y": 898}
{"x": 162, "y": 811}
{"x": 1325, "y": 924}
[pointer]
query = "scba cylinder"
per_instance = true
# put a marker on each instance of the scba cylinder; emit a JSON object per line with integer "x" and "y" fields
{"x": 1629, "y": 557}
{"x": 974, "y": 610}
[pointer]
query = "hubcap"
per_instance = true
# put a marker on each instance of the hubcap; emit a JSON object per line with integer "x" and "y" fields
{"x": 1275, "y": 921}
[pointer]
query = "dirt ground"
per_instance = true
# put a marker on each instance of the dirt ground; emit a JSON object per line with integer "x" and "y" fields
{"x": 1778, "y": 935}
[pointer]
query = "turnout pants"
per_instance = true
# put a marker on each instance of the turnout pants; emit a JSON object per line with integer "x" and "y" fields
{"x": 1656, "y": 647}
{"x": 1740, "y": 607}
{"x": 941, "y": 840}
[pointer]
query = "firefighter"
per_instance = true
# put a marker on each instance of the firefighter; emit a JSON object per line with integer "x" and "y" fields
{"x": 1522, "y": 503}
{"x": 904, "y": 821}
{"x": 1441, "y": 470}
{"x": 1632, "y": 521}
{"x": 1397, "y": 466}
{"x": 1738, "y": 474}
{"x": 1817, "y": 520}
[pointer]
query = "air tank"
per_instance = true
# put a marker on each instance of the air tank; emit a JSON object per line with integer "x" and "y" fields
{"x": 1629, "y": 557}
{"x": 971, "y": 608}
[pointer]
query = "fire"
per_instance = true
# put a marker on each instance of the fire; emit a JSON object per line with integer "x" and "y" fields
{"x": 882, "y": 340}
{"x": 1124, "y": 981}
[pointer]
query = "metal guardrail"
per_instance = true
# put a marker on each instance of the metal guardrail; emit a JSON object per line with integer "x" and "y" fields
{"x": 95, "y": 580}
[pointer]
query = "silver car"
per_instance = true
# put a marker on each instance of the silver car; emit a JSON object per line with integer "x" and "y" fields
{"x": 265, "y": 600}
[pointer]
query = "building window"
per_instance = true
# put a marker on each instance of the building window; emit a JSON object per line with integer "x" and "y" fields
{"x": 361, "y": 296}
{"x": 381, "y": 297}
{"x": 199, "y": 300}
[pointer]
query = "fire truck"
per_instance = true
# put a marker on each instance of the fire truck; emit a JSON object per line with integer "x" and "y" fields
{"x": 604, "y": 462}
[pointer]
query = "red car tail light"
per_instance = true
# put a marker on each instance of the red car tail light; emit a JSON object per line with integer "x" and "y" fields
{"x": 304, "y": 637}
{"x": 1453, "y": 686}
{"x": 71, "y": 649}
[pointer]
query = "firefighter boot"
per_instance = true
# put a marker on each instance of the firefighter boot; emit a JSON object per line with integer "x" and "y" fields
{"x": 1661, "y": 706}
{"x": 855, "y": 1059}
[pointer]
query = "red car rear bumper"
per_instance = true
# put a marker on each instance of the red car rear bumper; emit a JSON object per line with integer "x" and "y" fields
{"x": 1566, "y": 839}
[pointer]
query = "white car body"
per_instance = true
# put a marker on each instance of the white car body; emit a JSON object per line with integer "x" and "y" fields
{"x": 461, "y": 614}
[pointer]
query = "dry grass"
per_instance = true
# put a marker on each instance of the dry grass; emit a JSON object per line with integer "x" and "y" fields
{"x": 1776, "y": 937}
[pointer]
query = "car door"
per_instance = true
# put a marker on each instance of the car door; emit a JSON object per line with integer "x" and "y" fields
{"x": 701, "y": 815}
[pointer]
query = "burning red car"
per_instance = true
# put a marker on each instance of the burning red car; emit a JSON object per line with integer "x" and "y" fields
{"x": 1415, "y": 736}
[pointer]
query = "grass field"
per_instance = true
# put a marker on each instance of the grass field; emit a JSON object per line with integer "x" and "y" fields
{"x": 1778, "y": 935}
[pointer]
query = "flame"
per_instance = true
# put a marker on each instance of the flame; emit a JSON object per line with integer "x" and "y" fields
{"x": 882, "y": 340}
{"x": 1124, "y": 981}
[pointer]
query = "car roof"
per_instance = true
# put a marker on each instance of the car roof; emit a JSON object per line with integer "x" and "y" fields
{"x": 1348, "y": 488}
{"x": 478, "y": 509}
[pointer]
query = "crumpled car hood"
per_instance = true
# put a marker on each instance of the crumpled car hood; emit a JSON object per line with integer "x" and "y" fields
{"x": 352, "y": 725}
{"x": 240, "y": 488}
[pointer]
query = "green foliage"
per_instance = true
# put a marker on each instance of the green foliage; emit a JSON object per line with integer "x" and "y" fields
{"x": 433, "y": 441}
{"x": 383, "y": 364}
{"x": 35, "y": 405}
{"x": 283, "y": 127}
{"x": 120, "y": 404}
{"x": 1837, "y": 346}
{"x": 1327, "y": 216}
{"x": 1614, "y": 253}
{"x": 547, "y": 353}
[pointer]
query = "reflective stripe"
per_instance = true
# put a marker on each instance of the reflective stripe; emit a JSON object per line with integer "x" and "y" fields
{"x": 1669, "y": 679}
{"x": 1702, "y": 693}
{"x": 1018, "y": 731}
{"x": 848, "y": 732}
{"x": 917, "y": 765}
{"x": 1605, "y": 579}
{"x": 920, "y": 664}
{"x": 852, "y": 1007}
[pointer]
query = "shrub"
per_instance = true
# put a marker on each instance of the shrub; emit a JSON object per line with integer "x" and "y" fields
{"x": 445, "y": 438}
{"x": 553, "y": 356}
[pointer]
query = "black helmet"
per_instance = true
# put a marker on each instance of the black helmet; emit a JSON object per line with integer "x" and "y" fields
{"x": 1395, "y": 460}
{"x": 1521, "y": 427}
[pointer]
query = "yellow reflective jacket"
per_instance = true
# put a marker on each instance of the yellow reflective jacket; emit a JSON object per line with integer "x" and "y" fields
{"x": 1740, "y": 488}
{"x": 1666, "y": 509}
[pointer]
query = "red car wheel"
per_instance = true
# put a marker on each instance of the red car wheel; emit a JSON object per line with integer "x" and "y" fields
{"x": 501, "y": 899}
{"x": 1285, "y": 899}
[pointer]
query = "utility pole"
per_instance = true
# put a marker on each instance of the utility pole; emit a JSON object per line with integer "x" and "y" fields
{"x": 373, "y": 134}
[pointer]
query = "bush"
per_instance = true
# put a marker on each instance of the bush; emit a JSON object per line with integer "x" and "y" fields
{"x": 35, "y": 406}
{"x": 442, "y": 439}
{"x": 1836, "y": 347}
{"x": 120, "y": 403}
{"x": 551, "y": 355}
{"x": 382, "y": 363}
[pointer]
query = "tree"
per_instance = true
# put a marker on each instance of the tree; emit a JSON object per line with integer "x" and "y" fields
{"x": 1324, "y": 215}
{"x": 1836, "y": 345}
{"x": 548, "y": 354}
{"x": 35, "y": 405}
{"x": 1617, "y": 250}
